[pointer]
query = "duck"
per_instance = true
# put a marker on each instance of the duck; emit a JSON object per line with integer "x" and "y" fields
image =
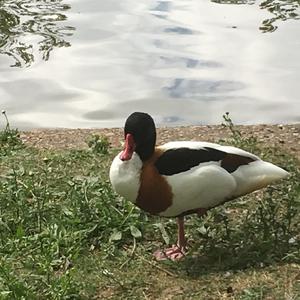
{"x": 183, "y": 177}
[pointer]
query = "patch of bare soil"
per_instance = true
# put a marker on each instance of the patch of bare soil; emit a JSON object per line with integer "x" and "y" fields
{"x": 284, "y": 136}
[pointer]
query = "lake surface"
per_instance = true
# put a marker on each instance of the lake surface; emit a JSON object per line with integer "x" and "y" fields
{"x": 90, "y": 63}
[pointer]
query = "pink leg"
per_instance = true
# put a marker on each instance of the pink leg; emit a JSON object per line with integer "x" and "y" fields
{"x": 177, "y": 251}
{"x": 181, "y": 238}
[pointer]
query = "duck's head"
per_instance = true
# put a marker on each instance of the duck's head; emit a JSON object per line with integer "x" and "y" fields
{"x": 140, "y": 136}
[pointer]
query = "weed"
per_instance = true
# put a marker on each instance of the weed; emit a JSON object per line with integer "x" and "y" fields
{"x": 237, "y": 139}
{"x": 9, "y": 138}
{"x": 98, "y": 144}
{"x": 52, "y": 210}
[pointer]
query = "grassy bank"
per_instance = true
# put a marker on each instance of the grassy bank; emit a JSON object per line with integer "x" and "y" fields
{"x": 64, "y": 234}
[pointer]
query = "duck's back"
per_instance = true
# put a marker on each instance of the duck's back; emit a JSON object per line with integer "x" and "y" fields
{"x": 204, "y": 175}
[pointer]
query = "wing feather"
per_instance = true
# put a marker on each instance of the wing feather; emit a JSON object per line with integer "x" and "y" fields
{"x": 179, "y": 157}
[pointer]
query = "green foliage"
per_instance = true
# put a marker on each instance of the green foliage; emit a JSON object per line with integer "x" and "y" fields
{"x": 254, "y": 293}
{"x": 237, "y": 139}
{"x": 98, "y": 144}
{"x": 65, "y": 234}
{"x": 9, "y": 138}
{"x": 54, "y": 207}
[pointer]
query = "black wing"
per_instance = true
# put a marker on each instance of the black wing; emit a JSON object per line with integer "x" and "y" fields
{"x": 174, "y": 161}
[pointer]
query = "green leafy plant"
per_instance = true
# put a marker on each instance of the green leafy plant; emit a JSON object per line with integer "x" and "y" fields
{"x": 249, "y": 143}
{"x": 99, "y": 145}
{"x": 9, "y": 138}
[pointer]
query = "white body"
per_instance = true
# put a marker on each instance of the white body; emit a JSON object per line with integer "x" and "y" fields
{"x": 204, "y": 186}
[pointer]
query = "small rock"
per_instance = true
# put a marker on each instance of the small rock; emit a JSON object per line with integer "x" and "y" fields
{"x": 227, "y": 274}
{"x": 292, "y": 240}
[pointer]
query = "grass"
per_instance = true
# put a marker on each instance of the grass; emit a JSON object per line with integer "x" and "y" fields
{"x": 64, "y": 233}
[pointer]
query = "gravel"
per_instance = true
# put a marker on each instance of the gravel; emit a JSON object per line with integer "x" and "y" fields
{"x": 284, "y": 136}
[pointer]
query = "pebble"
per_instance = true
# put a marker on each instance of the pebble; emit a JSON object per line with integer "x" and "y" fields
{"x": 287, "y": 136}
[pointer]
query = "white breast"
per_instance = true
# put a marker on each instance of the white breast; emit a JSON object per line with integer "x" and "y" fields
{"x": 125, "y": 176}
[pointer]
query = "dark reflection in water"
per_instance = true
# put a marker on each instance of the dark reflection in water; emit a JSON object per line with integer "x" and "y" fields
{"x": 27, "y": 24}
{"x": 179, "y": 30}
{"x": 163, "y": 6}
{"x": 189, "y": 62}
{"x": 234, "y": 1}
{"x": 186, "y": 88}
{"x": 161, "y": 9}
{"x": 281, "y": 9}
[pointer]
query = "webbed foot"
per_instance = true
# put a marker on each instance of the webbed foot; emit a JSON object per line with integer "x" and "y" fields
{"x": 174, "y": 253}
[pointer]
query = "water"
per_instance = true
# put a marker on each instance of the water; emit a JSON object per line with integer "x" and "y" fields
{"x": 89, "y": 63}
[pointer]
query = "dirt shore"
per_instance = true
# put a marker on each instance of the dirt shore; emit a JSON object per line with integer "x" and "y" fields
{"x": 284, "y": 136}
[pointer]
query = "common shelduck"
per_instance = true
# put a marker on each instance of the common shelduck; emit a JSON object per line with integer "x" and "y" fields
{"x": 180, "y": 178}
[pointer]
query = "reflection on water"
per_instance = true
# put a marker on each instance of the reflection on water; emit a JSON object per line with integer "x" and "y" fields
{"x": 183, "y": 88}
{"x": 281, "y": 9}
{"x": 184, "y": 62}
{"x": 234, "y": 1}
{"x": 189, "y": 62}
{"x": 29, "y": 28}
{"x": 179, "y": 30}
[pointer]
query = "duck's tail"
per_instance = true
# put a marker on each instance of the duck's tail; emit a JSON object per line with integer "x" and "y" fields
{"x": 257, "y": 175}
